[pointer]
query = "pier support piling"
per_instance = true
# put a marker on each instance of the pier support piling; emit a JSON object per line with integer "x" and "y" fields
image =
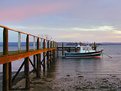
{"x": 44, "y": 46}
{"x": 26, "y": 68}
{"x": 62, "y": 49}
{"x": 38, "y": 61}
{"x": 48, "y": 61}
{"x": 10, "y": 75}
{"x": 6, "y": 65}
{"x": 8, "y": 57}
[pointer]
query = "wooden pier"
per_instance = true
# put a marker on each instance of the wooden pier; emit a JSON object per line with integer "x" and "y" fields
{"x": 48, "y": 51}
{"x": 63, "y": 48}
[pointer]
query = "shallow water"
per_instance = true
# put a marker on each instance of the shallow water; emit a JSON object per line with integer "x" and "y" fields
{"x": 105, "y": 67}
{"x": 104, "y": 74}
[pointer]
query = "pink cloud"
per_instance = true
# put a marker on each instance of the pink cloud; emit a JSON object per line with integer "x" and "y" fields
{"x": 23, "y": 12}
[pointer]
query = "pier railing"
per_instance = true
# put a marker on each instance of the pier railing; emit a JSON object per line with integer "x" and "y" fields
{"x": 41, "y": 47}
{"x": 62, "y": 48}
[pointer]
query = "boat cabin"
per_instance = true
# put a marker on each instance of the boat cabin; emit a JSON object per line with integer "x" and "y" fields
{"x": 85, "y": 49}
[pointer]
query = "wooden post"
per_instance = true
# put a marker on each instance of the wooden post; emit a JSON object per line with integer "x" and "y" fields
{"x": 75, "y": 49}
{"x": 50, "y": 44}
{"x": 34, "y": 56}
{"x": 26, "y": 70}
{"x": 10, "y": 75}
{"x": 50, "y": 52}
{"x": 62, "y": 49}
{"x": 19, "y": 41}
{"x": 57, "y": 49}
{"x": 38, "y": 60}
{"x": 6, "y": 65}
{"x": 53, "y": 51}
{"x": 34, "y": 43}
{"x": 69, "y": 49}
{"x": 44, "y": 55}
{"x": 34, "y": 60}
{"x": 48, "y": 61}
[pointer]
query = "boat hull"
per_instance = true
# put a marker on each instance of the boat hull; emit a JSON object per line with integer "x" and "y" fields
{"x": 83, "y": 55}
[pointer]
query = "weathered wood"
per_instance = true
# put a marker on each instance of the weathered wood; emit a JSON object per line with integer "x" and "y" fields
{"x": 38, "y": 61}
{"x": 15, "y": 30}
{"x": 26, "y": 69}
{"x": 6, "y": 65}
{"x": 62, "y": 48}
{"x": 5, "y": 41}
{"x": 44, "y": 46}
{"x": 6, "y": 58}
{"x": 69, "y": 49}
{"x": 66, "y": 48}
{"x": 13, "y": 57}
{"x": 48, "y": 61}
{"x": 27, "y": 43}
{"x": 34, "y": 43}
{"x": 14, "y": 77}
{"x": 19, "y": 41}
{"x": 50, "y": 44}
{"x": 50, "y": 52}
{"x": 34, "y": 60}
{"x": 5, "y": 77}
{"x": 10, "y": 75}
{"x": 57, "y": 49}
{"x": 33, "y": 65}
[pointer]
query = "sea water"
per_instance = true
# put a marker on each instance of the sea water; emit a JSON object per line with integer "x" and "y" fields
{"x": 109, "y": 63}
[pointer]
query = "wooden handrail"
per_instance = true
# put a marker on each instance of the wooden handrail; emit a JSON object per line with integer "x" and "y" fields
{"x": 16, "y": 30}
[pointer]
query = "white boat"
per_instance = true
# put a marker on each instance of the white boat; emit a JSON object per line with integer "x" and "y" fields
{"x": 84, "y": 52}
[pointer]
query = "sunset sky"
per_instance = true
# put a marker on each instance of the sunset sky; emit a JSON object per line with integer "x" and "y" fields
{"x": 65, "y": 20}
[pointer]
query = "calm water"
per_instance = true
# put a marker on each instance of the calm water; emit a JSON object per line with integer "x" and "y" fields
{"x": 105, "y": 65}
{"x": 89, "y": 67}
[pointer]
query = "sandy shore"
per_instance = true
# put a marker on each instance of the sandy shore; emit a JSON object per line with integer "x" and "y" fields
{"x": 80, "y": 82}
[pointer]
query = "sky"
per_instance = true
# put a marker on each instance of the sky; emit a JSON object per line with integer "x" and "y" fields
{"x": 65, "y": 20}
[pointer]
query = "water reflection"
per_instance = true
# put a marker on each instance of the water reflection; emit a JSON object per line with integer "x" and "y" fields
{"x": 73, "y": 66}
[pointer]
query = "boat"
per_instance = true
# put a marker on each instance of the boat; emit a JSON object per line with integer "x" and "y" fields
{"x": 84, "y": 52}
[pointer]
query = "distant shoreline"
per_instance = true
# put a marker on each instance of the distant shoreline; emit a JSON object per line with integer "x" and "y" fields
{"x": 65, "y": 43}
{"x": 75, "y": 43}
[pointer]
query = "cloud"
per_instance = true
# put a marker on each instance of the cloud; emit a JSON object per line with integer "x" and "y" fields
{"x": 89, "y": 34}
{"x": 19, "y": 13}
{"x": 96, "y": 28}
{"x": 117, "y": 32}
